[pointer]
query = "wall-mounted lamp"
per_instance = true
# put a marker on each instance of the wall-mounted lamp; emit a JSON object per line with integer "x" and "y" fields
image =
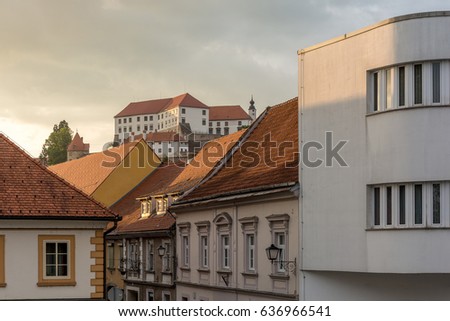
{"x": 273, "y": 253}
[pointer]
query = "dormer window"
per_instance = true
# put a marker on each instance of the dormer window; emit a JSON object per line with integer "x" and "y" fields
{"x": 145, "y": 209}
{"x": 161, "y": 206}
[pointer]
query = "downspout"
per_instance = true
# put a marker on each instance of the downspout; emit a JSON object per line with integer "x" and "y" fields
{"x": 118, "y": 218}
{"x": 301, "y": 103}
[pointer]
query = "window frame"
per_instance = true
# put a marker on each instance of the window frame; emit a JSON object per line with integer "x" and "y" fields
{"x": 43, "y": 279}
{"x": 2, "y": 262}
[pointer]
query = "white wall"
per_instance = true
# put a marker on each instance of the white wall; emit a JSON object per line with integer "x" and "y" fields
{"x": 395, "y": 146}
{"x": 233, "y": 125}
{"x": 21, "y": 259}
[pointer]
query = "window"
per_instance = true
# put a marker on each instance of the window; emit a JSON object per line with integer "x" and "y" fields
{"x": 279, "y": 228}
{"x": 150, "y": 295}
{"x": 389, "y": 87}
{"x": 211, "y": 131}
{"x": 418, "y": 218}
{"x": 204, "y": 257}
{"x": 401, "y": 86}
{"x": 129, "y": 120}
{"x": 376, "y": 206}
{"x": 151, "y": 128}
{"x": 436, "y": 203}
{"x": 183, "y": 120}
{"x": 413, "y": 205}
{"x": 166, "y": 296}
{"x": 138, "y": 128}
{"x": 124, "y": 120}
{"x": 138, "y": 118}
{"x": 2, "y": 261}
{"x": 226, "y": 131}
{"x": 223, "y": 224}
{"x": 183, "y": 110}
{"x": 204, "y": 122}
{"x": 389, "y": 205}
{"x": 170, "y": 149}
{"x": 225, "y": 252}
{"x": 250, "y": 259}
{"x": 218, "y": 123}
{"x": 280, "y": 242}
{"x": 226, "y": 123}
{"x": 150, "y": 257}
{"x": 203, "y": 229}
{"x": 124, "y": 129}
{"x": 218, "y": 131}
{"x": 120, "y": 130}
{"x": 161, "y": 203}
{"x": 166, "y": 258}
{"x": 185, "y": 250}
{"x": 210, "y": 124}
{"x": 110, "y": 255}
{"x": 120, "y": 121}
{"x": 417, "y": 84}
{"x": 151, "y": 118}
{"x": 146, "y": 127}
{"x": 436, "y": 79}
{"x": 133, "y": 256}
{"x": 203, "y": 112}
{"x": 239, "y": 123}
{"x": 375, "y": 91}
{"x": 56, "y": 260}
{"x": 130, "y": 129}
{"x": 145, "y": 118}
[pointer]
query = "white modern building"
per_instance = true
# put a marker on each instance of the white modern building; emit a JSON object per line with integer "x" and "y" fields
{"x": 183, "y": 114}
{"x": 376, "y": 222}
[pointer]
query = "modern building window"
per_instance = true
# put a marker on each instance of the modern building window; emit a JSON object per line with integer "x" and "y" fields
{"x": 2, "y": 261}
{"x": 402, "y": 204}
{"x": 412, "y": 205}
{"x": 375, "y": 91}
{"x": 56, "y": 258}
{"x": 418, "y": 216}
{"x": 150, "y": 256}
{"x": 436, "y": 190}
{"x": 376, "y": 206}
{"x": 401, "y": 86}
{"x": 418, "y": 84}
{"x": 436, "y": 82}
{"x": 389, "y": 88}
{"x": 389, "y": 205}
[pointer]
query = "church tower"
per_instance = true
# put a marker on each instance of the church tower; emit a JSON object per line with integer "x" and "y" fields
{"x": 252, "y": 110}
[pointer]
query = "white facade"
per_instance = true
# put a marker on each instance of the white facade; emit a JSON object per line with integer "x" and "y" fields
{"x": 221, "y": 249}
{"x": 382, "y": 231}
{"x": 22, "y": 256}
{"x": 226, "y": 127}
{"x": 170, "y": 148}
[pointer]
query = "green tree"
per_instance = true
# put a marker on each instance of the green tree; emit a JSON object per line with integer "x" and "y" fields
{"x": 54, "y": 150}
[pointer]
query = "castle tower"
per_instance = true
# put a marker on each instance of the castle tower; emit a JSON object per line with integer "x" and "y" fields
{"x": 77, "y": 148}
{"x": 252, "y": 110}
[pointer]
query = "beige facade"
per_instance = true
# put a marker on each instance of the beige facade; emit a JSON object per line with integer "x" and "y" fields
{"x": 221, "y": 248}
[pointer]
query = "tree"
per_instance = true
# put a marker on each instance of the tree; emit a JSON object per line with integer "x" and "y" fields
{"x": 54, "y": 150}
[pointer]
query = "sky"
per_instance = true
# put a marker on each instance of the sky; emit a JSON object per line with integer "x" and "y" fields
{"x": 83, "y": 61}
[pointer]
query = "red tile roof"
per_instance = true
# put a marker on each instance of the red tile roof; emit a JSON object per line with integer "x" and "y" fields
{"x": 77, "y": 144}
{"x": 29, "y": 190}
{"x": 130, "y": 209}
{"x": 157, "y": 105}
{"x": 205, "y": 160}
{"x": 87, "y": 173}
{"x": 227, "y": 113}
{"x": 267, "y": 158}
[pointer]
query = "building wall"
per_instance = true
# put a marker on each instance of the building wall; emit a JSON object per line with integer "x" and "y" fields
{"x": 21, "y": 260}
{"x": 139, "y": 163}
{"x": 232, "y": 125}
{"x": 195, "y": 284}
{"x": 395, "y": 146}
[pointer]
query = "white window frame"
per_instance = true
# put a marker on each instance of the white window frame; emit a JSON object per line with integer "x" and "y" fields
{"x": 279, "y": 225}
{"x": 203, "y": 234}
{"x": 223, "y": 223}
{"x": 249, "y": 226}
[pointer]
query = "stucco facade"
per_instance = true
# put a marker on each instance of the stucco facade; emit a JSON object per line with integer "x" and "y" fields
{"x": 381, "y": 222}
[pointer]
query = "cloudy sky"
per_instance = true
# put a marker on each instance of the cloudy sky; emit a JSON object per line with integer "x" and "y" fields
{"x": 85, "y": 60}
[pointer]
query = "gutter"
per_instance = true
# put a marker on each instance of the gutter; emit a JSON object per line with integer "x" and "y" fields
{"x": 105, "y": 233}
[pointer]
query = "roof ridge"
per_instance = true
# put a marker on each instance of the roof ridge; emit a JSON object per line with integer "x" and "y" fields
{"x": 46, "y": 170}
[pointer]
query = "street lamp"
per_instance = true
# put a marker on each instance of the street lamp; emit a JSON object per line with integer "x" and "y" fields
{"x": 273, "y": 253}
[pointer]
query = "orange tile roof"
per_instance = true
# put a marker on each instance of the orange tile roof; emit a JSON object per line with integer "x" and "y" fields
{"x": 205, "y": 160}
{"x": 88, "y": 173}
{"x": 77, "y": 144}
{"x": 227, "y": 113}
{"x": 29, "y": 190}
{"x": 268, "y": 157}
{"x": 157, "y": 105}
